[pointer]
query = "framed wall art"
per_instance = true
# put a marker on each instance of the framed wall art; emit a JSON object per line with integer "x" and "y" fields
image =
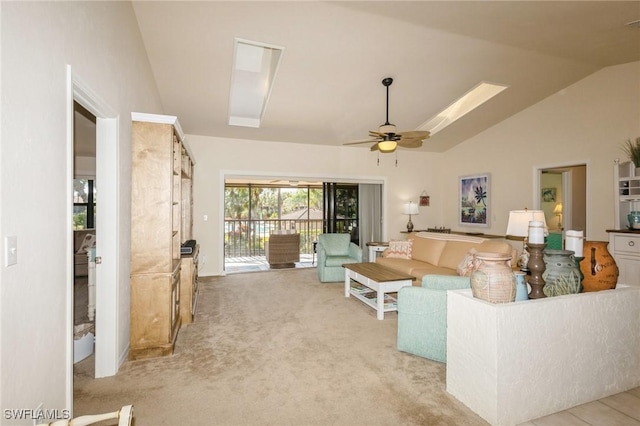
{"x": 424, "y": 199}
{"x": 474, "y": 200}
{"x": 549, "y": 195}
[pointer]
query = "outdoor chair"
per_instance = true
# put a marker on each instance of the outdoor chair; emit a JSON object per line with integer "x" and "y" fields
{"x": 283, "y": 250}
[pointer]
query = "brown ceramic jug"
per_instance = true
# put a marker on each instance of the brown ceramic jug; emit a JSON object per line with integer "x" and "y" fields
{"x": 598, "y": 267}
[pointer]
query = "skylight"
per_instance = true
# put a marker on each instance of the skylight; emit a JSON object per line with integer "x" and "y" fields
{"x": 464, "y": 105}
{"x": 254, "y": 70}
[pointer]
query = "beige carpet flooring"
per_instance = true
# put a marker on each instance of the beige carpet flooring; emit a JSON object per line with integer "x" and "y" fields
{"x": 278, "y": 348}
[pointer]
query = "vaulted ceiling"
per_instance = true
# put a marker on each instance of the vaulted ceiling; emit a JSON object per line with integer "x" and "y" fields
{"x": 328, "y": 87}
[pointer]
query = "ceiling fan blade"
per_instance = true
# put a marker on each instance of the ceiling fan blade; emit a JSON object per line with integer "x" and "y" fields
{"x": 374, "y": 147}
{"x": 410, "y": 143}
{"x": 414, "y": 134}
{"x": 375, "y": 133}
{"x": 360, "y": 142}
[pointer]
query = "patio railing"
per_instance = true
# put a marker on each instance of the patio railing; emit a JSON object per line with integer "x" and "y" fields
{"x": 246, "y": 237}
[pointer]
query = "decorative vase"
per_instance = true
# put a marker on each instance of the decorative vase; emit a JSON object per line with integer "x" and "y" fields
{"x": 598, "y": 267}
{"x": 522, "y": 291}
{"x": 634, "y": 219}
{"x": 561, "y": 275}
{"x": 493, "y": 280}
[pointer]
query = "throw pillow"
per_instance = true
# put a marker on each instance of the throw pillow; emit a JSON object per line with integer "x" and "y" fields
{"x": 400, "y": 249}
{"x": 468, "y": 264}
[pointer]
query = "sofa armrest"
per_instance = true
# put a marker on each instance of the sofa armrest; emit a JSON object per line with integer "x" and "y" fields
{"x": 445, "y": 282}
{"x": 422, "y": 322}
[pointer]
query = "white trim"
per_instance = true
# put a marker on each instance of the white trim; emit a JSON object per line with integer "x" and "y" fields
{"x": 537, "y": 176}
{"x": 107, "y": 243}
{"x": 69, "y": 245}
{"x": 107, "y": 308}
{"x": 161, "y": 119}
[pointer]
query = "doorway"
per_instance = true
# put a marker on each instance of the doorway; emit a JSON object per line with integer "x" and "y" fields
{"x": 84, "y": 236}
{"x": 108, "y": 354}
{"x": 562, "y": 195}
{"x": 351, "y": 205}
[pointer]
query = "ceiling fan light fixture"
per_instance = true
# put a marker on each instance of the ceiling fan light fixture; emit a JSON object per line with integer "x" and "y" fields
{"x": 387, "y": 146}
{"x": 387, "y": 128}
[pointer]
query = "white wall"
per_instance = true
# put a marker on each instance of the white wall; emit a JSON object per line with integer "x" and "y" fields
{"x": 584, "y": 123}
{"x": 101, "y": 41}
{"x": 215, "y": 157}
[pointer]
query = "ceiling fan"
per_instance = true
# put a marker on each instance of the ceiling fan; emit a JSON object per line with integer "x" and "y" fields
{"x": 386, "y": 138}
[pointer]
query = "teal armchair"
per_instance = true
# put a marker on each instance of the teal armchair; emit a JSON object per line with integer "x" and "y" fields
{"x": 334, "y": 250}
{"x": 422, "y": 316}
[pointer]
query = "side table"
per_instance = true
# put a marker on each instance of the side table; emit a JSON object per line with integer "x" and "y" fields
{"x": 376, "y": 247}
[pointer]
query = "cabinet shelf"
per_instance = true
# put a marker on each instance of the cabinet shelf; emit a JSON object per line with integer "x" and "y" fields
{"x": 624, "y": 244}
{"x": 157, "y": 211}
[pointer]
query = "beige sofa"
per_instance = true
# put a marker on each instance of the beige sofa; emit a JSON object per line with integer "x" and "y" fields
{"x": 435, "y": 253}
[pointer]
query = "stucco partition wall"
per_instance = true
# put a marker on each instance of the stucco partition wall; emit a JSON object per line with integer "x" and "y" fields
{"x": 514, "y": 362}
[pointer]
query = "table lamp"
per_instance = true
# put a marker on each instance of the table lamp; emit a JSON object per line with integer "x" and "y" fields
{"x": 558, "y": 212}
{"x": 410, "y": 208}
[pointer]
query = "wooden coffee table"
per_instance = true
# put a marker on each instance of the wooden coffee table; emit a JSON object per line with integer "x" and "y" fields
{"x": 377, "y": 280}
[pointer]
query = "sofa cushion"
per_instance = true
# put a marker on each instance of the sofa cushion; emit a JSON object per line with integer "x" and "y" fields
{"x": 427, "y": 249}
{"x": 404, "y": 266}
{"x": 401, "y": 249}
{"x": 454, "y": 252}
{"x": 427, "y": 269}
{"x": 335, "y": 244}
{"x": 339, "y": 260}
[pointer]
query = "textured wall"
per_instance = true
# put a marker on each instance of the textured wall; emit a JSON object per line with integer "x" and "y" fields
{"x": 515, "y": 362}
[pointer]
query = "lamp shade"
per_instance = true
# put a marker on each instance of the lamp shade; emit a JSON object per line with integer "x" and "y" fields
{"x": 558, "y": 208}
{"x": 518, "y": 225}
{"x": 410, "y": 208}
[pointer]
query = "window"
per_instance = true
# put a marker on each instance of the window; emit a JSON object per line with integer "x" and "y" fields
{"x": 254, "y": 211}
{"x": 84, "y": 204}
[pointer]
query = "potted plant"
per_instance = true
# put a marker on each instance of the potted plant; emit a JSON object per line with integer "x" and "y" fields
{"x": 632, "y": 149}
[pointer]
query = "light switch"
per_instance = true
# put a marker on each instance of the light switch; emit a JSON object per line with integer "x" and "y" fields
{"x": 10, "y": 250}
{"x": 206, "y": 217}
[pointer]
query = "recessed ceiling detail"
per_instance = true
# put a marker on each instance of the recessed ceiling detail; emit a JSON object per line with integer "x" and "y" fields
{"x": 253, "y": 73}
{"x": 471, "y": 100}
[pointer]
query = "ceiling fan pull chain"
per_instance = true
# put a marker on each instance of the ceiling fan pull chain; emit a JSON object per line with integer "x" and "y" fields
{"x": 396, "y": 158}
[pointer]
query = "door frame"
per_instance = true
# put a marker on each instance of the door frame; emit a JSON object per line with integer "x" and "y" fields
{"x": 238, "y": 174}
{"x": 567, "y": 187}
{"x": 107, "y": 230}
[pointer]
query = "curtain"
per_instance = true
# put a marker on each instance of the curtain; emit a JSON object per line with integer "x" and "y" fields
{"x": 370, "y": 215}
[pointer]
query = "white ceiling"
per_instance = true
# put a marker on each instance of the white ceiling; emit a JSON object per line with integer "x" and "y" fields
{"x": 328, "y": 89}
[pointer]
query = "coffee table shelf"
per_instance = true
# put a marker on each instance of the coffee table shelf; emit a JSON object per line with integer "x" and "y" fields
{"x": 380, "y": 280}
{"x": 390, "y": 302}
